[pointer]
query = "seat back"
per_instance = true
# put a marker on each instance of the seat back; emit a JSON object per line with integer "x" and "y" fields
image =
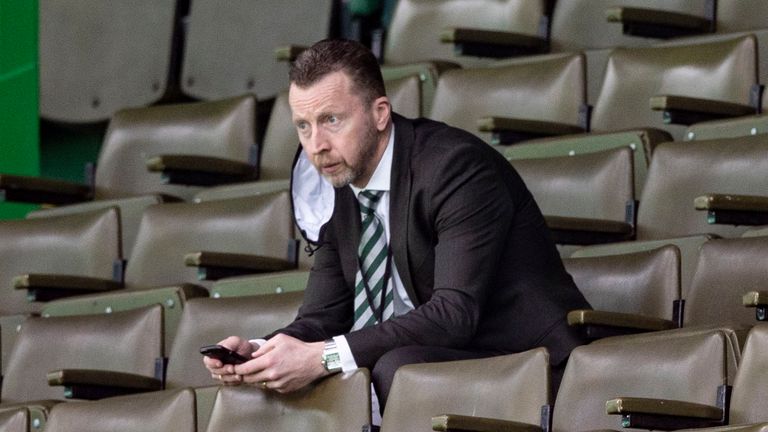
{"x": 669, "y": 365}
{"x": 98, "y": 58}
{"x": 749, "y": 401}
{"x": 689, "y": 253}
{"x": 130, "y": 210}
{"x": 642, "y": 142}
{"x": 253, "y": 225}
{"x": 646, "y": 283}
{"x": 280, "y": 142}
{"x": 230, "y": 47}
{"x": 682, "y": 171}
{"x": 161, "y": 411}
{"x": 128, "y": 342}
{"x": 340, "y": 403}
{"x": 86, "y": 244}
{"x": 727, "y": 269}
{"x": 223, "y": 129}
{"x": 414, "y": 32}
{"x": 479, "y": 388}
{"x": 592, "y": 185}
{"x": 722, "y": 70}
{"x": 405, "y": 95}
{"x": 552, "y": 88}
{"x": 206, "y": 321}
{"x": 581, "y": 24}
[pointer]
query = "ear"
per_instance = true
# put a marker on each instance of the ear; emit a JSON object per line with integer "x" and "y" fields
{"x": 382, "y": 112}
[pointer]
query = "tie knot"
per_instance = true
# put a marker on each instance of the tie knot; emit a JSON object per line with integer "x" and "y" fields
{"x": 369, "y": 199}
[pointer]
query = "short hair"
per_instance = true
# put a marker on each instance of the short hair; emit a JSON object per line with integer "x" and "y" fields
{"x": 334, "y": 55}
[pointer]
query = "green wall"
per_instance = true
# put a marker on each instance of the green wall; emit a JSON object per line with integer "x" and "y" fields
{"x": 19, "y": 137}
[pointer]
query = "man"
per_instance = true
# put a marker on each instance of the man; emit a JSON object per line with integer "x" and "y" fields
{"x": 429, "y": 247}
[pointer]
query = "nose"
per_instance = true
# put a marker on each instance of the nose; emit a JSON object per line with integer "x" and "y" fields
{"x": 318, "y": 142}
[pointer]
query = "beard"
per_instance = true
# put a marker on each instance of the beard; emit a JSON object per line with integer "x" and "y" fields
{"x": 366, "y": 150}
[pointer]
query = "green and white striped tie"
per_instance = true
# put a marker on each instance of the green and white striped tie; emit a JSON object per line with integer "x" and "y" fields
{"x": 371, "y": 281}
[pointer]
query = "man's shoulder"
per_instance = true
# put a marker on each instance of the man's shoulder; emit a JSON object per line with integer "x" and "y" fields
{"x": 428, "y": 138}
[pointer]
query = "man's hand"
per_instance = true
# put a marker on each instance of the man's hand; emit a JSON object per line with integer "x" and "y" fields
{"x": 226, "y": 372}
{"x": 283, "y": 364}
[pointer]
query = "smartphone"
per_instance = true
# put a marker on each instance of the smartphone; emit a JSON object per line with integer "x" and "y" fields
{"x": 226, "y": 355}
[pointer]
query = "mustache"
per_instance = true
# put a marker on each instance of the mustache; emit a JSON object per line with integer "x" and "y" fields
{"x": 324, "y": 160}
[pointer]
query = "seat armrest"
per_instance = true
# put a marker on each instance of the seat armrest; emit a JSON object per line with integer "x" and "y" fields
{"x": 492, "y": 43}
{"x": 582, "y": 231}
{"x": 689, "y": 110}
{"x": 655, "y": 23}
{"x": 662, "y": 414}
{"x": 289, "y": 53}
{"x": 97, "y": 384}
{"x": 506, "y": 130}
{"x": 599, "y": 324}
{"x": 195, "y": 170}
{"x": 452, "y": 422}
{"x": 218, "y": 265}
{"x": 734, "y": 209}
{"x": 759, "y": 301}
{"x": 46, "y": 287}
{"x": 36, "y": 190}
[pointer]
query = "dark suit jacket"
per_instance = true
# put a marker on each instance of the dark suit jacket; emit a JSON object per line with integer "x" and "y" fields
{"x": 470, "y": 245}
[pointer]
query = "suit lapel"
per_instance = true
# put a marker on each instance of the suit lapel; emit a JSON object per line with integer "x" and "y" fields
{"x": 349, "y": 236}
{"x": 400, "y": 202}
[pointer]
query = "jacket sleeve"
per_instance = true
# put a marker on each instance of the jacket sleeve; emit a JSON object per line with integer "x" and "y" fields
{"x": 327, "y": 307}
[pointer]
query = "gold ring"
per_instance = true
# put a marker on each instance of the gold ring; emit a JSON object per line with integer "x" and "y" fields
{"x": 264, "y": 385}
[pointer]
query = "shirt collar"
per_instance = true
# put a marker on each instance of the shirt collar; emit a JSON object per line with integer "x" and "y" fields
{"x": 380, "y": 180}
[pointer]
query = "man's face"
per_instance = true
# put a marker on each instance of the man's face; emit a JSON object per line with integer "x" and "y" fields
{"x": 337, "y": 130}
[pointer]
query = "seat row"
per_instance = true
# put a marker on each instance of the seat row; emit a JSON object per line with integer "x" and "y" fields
{"x": 692, "y": 370}
{"x": 209, "y": 51}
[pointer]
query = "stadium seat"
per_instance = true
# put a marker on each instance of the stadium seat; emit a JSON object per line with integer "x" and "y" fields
{"x": 747, "y": 402}
{"x": 112, "y": 350}
{"x": 55, "y": 257}
{"x": 684, "y": 171}
{"x": 162, "y": 411}
{"x": 511, "y": 387}
{"x": 630, "y": 292}
{"x": 423, "y": 30}
{"x": 186, "y": 146}
{"x": 689, "y": 82}
{"x": 98, "y": 59}
{"x": 230, "y": 48}
{"x": 190, "y": 390}
{"x": 515, "y": 100}
{"x": 584, "y": 24}
{"x": 689, "y": 247}
{"x": 340, "y": 403}
{"x": 689, "y": 367}
{"x": 586, "y": 198}
{"x": 727, "y": 270}
{"x": 182, "y": 247}
{"x": 640, "y": 141}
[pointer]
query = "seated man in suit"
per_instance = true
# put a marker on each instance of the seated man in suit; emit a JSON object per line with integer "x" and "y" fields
{"x": 428, "y": 245}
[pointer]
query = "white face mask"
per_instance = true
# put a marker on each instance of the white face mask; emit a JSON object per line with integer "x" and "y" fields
{"x": 313, "y": 198}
